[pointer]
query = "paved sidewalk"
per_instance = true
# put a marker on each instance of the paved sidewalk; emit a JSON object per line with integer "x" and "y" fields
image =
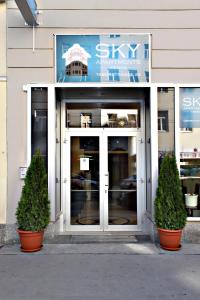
{"x": 129, "y": 249}
{"x": 100, "y": 272}
{"x": 146, "y": 248}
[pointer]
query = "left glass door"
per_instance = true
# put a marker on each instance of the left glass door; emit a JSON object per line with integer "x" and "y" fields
{"x": 83, "y": 180}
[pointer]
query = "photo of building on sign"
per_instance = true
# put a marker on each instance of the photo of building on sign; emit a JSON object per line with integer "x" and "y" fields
{"x": 76, "y": 61}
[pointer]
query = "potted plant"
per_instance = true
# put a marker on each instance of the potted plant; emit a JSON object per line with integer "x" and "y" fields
{"x": 33, "y": 211}
{"x": 170, "y": 212}
{"x": 191, "y": 199}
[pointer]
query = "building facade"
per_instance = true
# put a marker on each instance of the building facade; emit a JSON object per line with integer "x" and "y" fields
{"x": 102, "y": 137}
{"x": 3, "y": 146}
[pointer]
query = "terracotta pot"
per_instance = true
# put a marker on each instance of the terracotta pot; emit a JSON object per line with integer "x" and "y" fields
{"x": 30, "y": 241}
{"x": 170, "y": 239}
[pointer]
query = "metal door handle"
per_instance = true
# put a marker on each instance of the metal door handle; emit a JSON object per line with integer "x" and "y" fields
{"x": 107, "y": 185}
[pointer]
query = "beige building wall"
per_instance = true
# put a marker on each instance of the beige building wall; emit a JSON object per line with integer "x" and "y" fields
{"x": 174, "y": 26}
{"x": 2, "y": 39}
{"x": 3, "y": 154}
{"x": 3, "y": 150}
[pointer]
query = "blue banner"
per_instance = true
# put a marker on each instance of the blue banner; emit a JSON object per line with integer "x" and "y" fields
{"x": 102, "y": 58}
{"x": 189, "y": 107}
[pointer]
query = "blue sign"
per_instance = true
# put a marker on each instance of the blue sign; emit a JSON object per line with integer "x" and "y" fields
{"x": 102, "y": 58}
{"x": 189, "y": 107}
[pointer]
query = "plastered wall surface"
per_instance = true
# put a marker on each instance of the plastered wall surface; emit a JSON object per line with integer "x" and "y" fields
{"x": 2, "y": 39}
{"x": 3, "y": 154}
{"x": 174, "y": 27}
{"x": 3, "y": 146}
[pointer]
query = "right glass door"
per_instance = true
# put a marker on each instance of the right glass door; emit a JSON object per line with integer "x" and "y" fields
{"x": 123, "y": 181}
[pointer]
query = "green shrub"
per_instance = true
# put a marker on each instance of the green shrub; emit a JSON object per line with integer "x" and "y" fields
{"x": 170, "y": 212}
{"x": 33, "y": 211}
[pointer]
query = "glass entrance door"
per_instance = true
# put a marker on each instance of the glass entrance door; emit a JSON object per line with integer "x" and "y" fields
{"x": 83, "y": 193}
{"x": 124, "y": 180}
{"x": 105, "y": 179}
{"x": 121, "y": 187}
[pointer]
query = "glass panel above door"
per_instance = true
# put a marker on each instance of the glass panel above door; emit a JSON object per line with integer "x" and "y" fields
{"x": 107, "y": 117}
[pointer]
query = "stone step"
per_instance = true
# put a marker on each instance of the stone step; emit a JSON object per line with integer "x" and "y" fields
{"x": 95, "y": 239}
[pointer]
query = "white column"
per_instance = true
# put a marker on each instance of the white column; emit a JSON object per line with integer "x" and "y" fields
{"x": 177, "y": 126}
{"x": 154, "y": 143}
{"x": 28, "y": 133}
{"x": 52, "y": 148}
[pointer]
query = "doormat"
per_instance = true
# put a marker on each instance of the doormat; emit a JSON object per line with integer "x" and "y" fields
{"x": 88, "y": 221}
{"x": 118, "y": 221}
{"x": 95, "y": 221}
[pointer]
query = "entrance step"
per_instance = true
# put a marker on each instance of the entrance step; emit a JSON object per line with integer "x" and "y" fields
{"x": 126, "y": 238}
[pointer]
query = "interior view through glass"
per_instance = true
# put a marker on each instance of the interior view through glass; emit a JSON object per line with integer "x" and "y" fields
{"x": 122, "y": 189}
{"x": 102, "y": 115}
{"x": 85, "y": 180}
{"x": 85, "y": 163}
{"x": 121, "y": 161}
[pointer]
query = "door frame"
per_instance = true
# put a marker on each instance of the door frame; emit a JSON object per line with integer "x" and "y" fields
{"x": 65, "y": 175}
{"x": 67, "y": 190}
{"x": 103, "y": 134}
{"x": 141, "y": 182}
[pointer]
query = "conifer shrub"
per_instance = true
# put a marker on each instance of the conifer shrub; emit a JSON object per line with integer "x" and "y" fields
{"x": 170, "y": 212}
{"x": 33, "y": 211}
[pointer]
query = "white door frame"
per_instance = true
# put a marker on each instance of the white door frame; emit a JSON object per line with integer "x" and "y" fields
{"x": 141, "y": 182}
{"x": 103, "y": 135}
{"x": 65, "y": 174}
{"x": 67, "y": 171}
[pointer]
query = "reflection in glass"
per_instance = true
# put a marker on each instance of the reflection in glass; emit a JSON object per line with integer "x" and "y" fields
{"x": 122, "y": 192}
{"x": 114, "y": 118}
{"x": 85, "y": 180}
{"x": 190, "y": 169}
{"x": 120, "y": 118}
{"x": 39, "y": 131}
{"x": 39, "y": 120}
{"x": 190, "y": 149}
{"x": 84, "y": 118}
{"x": 166, "y": 122}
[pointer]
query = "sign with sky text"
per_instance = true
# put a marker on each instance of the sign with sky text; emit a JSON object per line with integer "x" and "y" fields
{"x": 189, "y": 107}
{"x": 103, "y": 58}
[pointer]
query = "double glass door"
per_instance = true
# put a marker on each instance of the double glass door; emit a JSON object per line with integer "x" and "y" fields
{"x": 104, "y": 173}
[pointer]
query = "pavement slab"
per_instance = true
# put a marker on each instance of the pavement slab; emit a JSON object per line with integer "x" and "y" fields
{"x": 137, "y": 249}
{"x": 151, "y": 275}
{"x": 126, "y": 249}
